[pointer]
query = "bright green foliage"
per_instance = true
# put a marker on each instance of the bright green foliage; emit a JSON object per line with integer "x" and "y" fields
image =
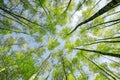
{"x": 75, "y": 60}
{"x": 78, "y": 42}
{"x": 82, "y": 77}
{"x": 89, "y": 2}
{"x": 100, "y": 77}
{"x": 69, "y": 45}
{"x": 52, "y": 44}
{"x": 114, "y": 65}
{"x": 98, "y": 20}
{"x": 71, "y": 7}
{"x": 26, "y": 67}
{"x": 70, "y": 77}
{"x": 35, "y": 43}
{"x": 67, "y": 64}
{"x": 63, "y": 32}
{"x": 88, "y": 12}
{"x": 94, "y": 68}
{"x": 63, "y": 19}
{"x": 58, "y": 74}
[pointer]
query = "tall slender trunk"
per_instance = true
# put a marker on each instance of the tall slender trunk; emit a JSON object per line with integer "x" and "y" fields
{"x": 109, "y": 6}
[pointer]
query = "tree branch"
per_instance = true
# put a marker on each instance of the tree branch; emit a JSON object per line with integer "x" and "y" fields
{"x": 100, "y": 52}
{"x": 109, "y": 6}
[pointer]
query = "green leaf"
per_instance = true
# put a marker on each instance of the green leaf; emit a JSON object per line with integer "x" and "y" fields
{"x": 87, "y": 13}
{"x": 69, "y": 45}
{"x": 100, "y": 77}
{"x": 70, "y": 77}
{"x": 75, "y": 60}
{"x": 1, "y": 2}
{"x": 82, "y": 76}
{"x": 52, "y": 44}
{"x": 89, "y": 2}
{"x": 64, "y": 32}
{"x": 98, "y": 20}
{"x": 2, "y": 69}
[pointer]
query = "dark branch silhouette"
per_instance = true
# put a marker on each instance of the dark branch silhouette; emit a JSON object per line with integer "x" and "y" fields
{"x": 12, "y": 14}
{"x": 109, "y": 6}
{"x": 115, "y": 23}
{"x": 117, "y": 41}
{"x": 78, "y": 7}
{"x": 116, "y": 20}
{"x": 67, "y": 6}
{"x": 111, "y": 14}
{"x": 100, "y": 52}
{"x": 110, "y": 38}
{"x": 102, "y": 69}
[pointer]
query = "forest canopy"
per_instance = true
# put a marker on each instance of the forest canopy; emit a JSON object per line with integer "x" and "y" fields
{"x": 59, "y": 39}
